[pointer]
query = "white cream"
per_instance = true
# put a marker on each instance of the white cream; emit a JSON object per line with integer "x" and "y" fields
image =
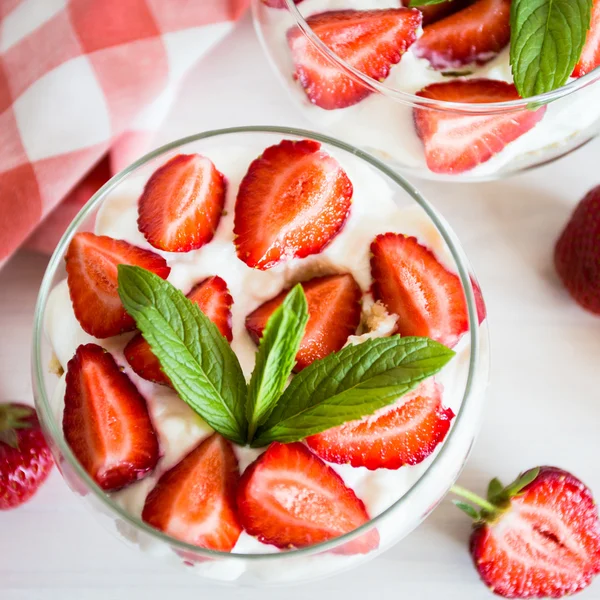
{"x": 374, "y": 211}
{"x": 385, "y": 127}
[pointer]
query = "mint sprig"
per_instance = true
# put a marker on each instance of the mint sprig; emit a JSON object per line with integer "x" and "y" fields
{"x": 198, "y": 360}
{"x": 351, "y": 383}
{"x": 547, "y": 37}
{"x": 207, "y": 375}
{"x": 276, "y": 357}
{"x": 546, "y": 41}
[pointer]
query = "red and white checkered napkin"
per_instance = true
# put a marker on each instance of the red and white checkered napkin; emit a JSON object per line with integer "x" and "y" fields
{"x": 80, "y": 79}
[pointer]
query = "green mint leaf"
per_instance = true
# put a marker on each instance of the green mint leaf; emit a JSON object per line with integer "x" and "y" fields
{"x": 351, "y": 383}
{"x": 457, "y": 73}
{"x": 201, "y": 365}
{"x": 276, "y": 357}
{"x": 494, "y": 489}
{"x": 467, "y": 508}
{"x": 547, "y": 37}
{"x": 415, "y": 3}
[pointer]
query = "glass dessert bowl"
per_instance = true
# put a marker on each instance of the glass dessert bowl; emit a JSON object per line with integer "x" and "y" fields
{"x": 130, "y": 477}
{"x": 430, "y": 101}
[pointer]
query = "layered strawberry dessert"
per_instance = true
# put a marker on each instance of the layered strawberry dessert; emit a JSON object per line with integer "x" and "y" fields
{"x": 450, "y": 52}
{"x": 261, "y": 349}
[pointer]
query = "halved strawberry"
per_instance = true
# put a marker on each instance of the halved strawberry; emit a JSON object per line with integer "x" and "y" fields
{"x": 182, "y": 204}
{"x": 435, "y": 12}
{"x": 590, "y": 55}
{"x": 473, "y": 35}
{"x": 290, "y": 498}
{"x": 195, "y": 500}
{"x": 333, "y": 315}
{"x": 106, "y": 421}
{"x": 292, "y": 202}
{"x": 91, "y": 263}
{"x": 403, "y": 433}
{"x": 457, "y": 142}
{"x": 214, "y": 300}
{"x": 538, "y": 537}
{"x": 413, "y": 284}
{"x": 371, "y": 41}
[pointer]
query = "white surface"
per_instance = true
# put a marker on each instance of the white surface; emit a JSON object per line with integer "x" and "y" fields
{"x": 543, "y": 403}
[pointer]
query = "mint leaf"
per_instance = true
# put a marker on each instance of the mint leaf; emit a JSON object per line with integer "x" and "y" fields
{"x": 414, "y": 3}
{"x": 547, "y": 37}
{"x": 201, "y": 365}
{"x": 276, "y": 357}
{"x": 351, "y": 383}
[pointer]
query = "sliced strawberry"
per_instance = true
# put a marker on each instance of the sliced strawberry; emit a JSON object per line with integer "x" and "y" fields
{"x": 590, "y": 55}
{"x": 435, "y": 12}
{"x": 473, "y": 35}
{"x": 91, "y": 263}
{"x": 371, "y": 41}
{"x": 333, "y": 315}
{"x": 292, "y": 202}
{"x": 404, "y": 433}
{"x": 413, "y": 284}
{"x": 290, "y": 498}
{"x": 182, "y": 204}
{"x": 541, "y": 540}
{"x": 106, "y": 421}
{"x": 195, "y": 500}
{"x": 214, "y": 300}
{"x": 457, "y": 142}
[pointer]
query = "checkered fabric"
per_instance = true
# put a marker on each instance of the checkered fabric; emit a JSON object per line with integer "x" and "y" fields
{"x": 83, "y": 85}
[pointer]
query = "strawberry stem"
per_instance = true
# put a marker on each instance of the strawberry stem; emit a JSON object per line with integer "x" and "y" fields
{"x": 474, "y": 498}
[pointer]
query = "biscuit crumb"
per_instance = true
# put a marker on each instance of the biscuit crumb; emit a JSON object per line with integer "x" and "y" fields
{"x": 54, "y": 366}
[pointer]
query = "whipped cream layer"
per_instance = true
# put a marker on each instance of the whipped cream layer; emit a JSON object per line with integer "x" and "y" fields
{"x": 385, "y": 127}
{"x": 374, "y": 210}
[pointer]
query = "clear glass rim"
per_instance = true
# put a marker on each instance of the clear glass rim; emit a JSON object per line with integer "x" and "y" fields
{"x": 488, "y": 108}
{"x": 38, "y": 368}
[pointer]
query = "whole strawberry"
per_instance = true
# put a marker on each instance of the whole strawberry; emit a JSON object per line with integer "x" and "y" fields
{"x": 25, "y": 459}
{"x": 577, "y": 253}
{"x": 537, "y": 537}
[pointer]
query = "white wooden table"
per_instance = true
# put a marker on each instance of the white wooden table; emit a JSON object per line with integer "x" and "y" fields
{"x": 543, "y": 403}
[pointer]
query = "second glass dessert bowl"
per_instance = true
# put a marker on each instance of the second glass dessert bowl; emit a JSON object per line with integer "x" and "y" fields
{"x": 425, "y": 114}
{"x": 400, "y": 481}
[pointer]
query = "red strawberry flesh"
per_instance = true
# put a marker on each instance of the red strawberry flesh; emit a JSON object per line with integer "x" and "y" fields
{"x": 435, "y": 12}
{"x": 577, "y": 253}
{"x": 195, "y": 500}
{"x": 91, "y": 263}
{"x": 590, "y": 55}
{"x": 182, "y": 204}
{"x": 404, "y": 433}
{"x": 106, "y": 421}
{"x": 456, "y": 142}
{"x": 214, "y": 300}
{"x": 413, "y": 284}
{"x": 473, "y": 35}
{"x": 370, "y": 41}
{"x": 290, "y": 498}
{"x": 333, "y": 315}
{"x": 547, "y": 544}
{"x": 292, "y": 202}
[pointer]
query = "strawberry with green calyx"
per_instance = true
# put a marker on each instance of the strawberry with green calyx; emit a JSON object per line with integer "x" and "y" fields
{"x": 537, "y": 537}
{"x": 25, "y": 459}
